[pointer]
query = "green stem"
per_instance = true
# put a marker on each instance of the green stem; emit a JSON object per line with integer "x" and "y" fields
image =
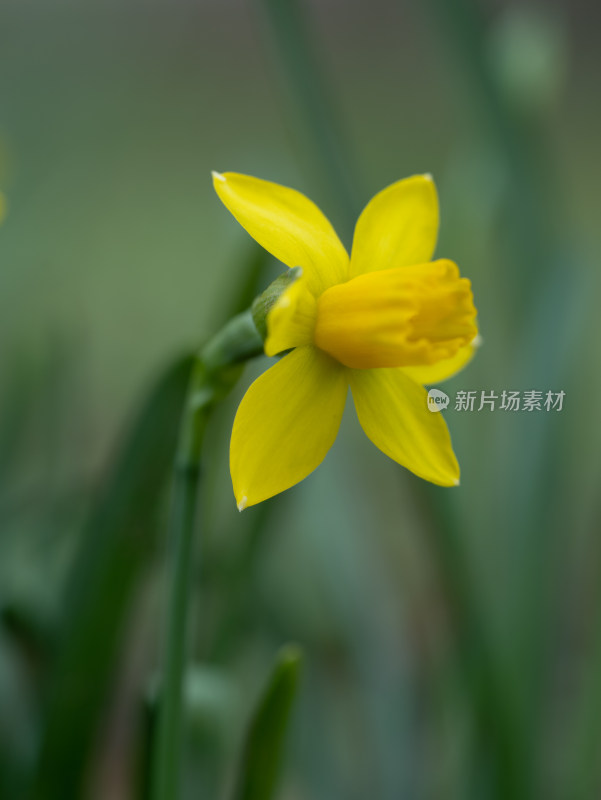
{"x": 216, "y": 371}
{"x": 169, "y": 733}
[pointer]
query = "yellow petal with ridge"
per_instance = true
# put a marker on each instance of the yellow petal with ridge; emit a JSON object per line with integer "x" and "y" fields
{"x": 288, "y": 225}
{"x": 393, "y": 412}
{"x": 285, "y": 425}
{"x": 397, "y": 228}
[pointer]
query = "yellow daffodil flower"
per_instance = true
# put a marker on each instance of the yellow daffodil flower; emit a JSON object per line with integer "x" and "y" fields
{"x": 383, "y": 322}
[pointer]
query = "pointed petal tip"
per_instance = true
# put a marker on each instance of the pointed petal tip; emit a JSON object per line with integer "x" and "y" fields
{"x": 477, "y": 341}
{"x": 217, "y": 176}
{"x": 428, "y": 176}
{"x": 456, "y": 482}
{"x": 243, "y": 503}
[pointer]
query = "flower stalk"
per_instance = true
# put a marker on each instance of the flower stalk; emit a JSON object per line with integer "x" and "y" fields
{"x": 215, "y": 373}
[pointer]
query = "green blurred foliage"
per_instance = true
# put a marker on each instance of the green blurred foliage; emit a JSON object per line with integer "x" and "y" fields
{"x": 260, "y": 766}
{"x": 453, "y": 641}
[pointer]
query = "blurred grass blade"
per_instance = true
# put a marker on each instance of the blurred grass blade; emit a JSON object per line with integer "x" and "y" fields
{"x": 581, "y": 778}
{"x": 18, "y": 398}
{"x": 116, "y": 547}
{"x": 315, "y": 104}
{"x": 534, "y": 228}
{"x": 262, "y": 755}
{"x": 497, "y": 716}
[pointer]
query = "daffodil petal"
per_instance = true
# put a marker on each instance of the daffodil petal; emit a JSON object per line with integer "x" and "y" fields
{"x": 288, "y": 225}
{"x": 286, "y": 423}
{"x": 429, "y": 374}
{"x": 397, "y": 228}
{"x": 393, "y": 412}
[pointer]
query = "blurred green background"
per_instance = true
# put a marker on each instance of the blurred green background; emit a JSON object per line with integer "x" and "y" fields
{"x": 452, "y": 640}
